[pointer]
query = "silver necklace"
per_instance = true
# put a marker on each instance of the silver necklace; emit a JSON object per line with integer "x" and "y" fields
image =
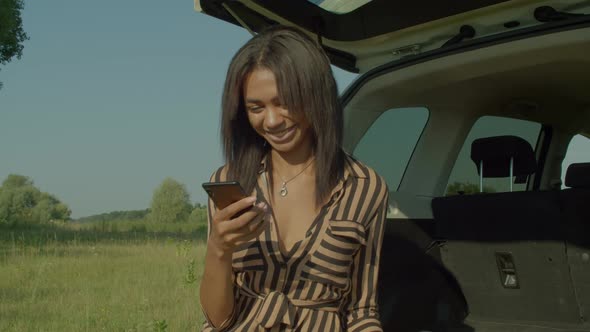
{"x": 284, "y": 190}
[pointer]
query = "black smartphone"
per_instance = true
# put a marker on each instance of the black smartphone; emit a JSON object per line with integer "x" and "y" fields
{"x": 225, "y": 193}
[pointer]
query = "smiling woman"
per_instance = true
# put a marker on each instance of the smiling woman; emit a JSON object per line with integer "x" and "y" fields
{"x": 286, "y": 132}
{"x": 306, "y": 257}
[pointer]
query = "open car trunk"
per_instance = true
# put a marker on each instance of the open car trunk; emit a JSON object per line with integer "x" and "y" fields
{"x": 359, "y": 35}
{"x": 517, "y": 261}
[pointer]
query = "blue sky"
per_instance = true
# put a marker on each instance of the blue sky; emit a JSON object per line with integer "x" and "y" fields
{"x": 110, "y": 97}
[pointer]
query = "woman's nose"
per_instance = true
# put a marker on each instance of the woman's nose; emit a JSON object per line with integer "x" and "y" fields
{"x": 274, "y": 117}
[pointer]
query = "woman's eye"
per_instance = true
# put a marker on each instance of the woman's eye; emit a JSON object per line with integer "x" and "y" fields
{"x": 254, "y": 109}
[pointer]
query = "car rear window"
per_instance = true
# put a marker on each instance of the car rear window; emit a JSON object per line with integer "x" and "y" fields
{"x": 578, "y": 151}
{"x": 390, "y": 141}
{"x": 464, "y": 177}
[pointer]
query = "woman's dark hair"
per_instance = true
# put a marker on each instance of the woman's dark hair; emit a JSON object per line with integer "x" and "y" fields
{"x": 305, "y": 84}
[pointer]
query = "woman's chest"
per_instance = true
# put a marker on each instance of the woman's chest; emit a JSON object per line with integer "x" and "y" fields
{"x": 324, "y": 254}
{"x": 291, "y": 219}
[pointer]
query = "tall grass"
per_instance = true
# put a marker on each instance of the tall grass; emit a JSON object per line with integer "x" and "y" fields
{"x": 92, "y": 277}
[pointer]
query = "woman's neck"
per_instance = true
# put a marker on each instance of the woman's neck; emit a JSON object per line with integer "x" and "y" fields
{"x": 289, "y": 164}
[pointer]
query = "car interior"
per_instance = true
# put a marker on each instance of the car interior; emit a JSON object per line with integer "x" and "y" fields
{"x": 504, "y": 261}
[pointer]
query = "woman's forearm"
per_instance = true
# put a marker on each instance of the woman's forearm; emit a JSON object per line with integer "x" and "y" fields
{"x": 217, "y": 294}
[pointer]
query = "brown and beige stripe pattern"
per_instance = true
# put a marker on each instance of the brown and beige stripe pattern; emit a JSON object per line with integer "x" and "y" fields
{"x": 328, "y": 280}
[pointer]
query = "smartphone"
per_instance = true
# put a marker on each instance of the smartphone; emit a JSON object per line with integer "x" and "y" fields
{"x": 225, "y": 193}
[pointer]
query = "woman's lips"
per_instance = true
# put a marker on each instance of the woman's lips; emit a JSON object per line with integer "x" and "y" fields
{"x": 282, "y": 136}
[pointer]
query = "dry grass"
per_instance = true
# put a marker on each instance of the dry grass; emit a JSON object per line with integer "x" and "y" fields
{"x": 122, "y": 284}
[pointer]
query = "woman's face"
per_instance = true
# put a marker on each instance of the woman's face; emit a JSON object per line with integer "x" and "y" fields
{"x": 284, "y": 131}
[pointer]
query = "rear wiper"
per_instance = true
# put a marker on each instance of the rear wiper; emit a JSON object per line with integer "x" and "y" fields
{"x": 466, "y": 31}
{"x": 549, "y": 14}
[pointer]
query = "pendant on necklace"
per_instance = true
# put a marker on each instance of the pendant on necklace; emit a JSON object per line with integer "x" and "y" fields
{"x": 284, "y": 191}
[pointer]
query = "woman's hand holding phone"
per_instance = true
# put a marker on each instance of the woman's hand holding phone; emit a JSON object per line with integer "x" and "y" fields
{"x": 227, "y": 233}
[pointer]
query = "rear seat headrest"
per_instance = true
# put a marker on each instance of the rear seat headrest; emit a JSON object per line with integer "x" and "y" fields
{"x": 578, "y": 175}
{"x": 495, "y": 152}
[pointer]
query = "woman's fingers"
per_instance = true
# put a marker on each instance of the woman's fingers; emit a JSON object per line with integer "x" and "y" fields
{"x": 260, "y": 226}
{"x": 237, "y": 227}
{"x": 255, "y": 228}
{"x": 253, "y": 224}
{"x": 248, "y": 216}
{"x": 249, "y": 224}
{"x": 234, "y": 208}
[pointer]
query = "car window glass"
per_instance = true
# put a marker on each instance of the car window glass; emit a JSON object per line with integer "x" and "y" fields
{"x": 464, "y": 177}
{"x": 388, "y": 144}
{"x": 578, "y": 151}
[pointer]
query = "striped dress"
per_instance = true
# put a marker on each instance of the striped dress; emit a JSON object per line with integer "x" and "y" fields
{"x": 328, "y": 280}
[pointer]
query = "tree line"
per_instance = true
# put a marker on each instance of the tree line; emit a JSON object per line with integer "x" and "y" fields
{"x": 116, "y": 215}
{"x": 22, "y": 202}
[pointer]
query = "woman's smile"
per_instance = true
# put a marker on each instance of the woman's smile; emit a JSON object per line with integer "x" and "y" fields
{"x": 281, "y": 136}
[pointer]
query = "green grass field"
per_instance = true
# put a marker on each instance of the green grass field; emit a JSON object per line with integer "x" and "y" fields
{"x": 116, "y": 276}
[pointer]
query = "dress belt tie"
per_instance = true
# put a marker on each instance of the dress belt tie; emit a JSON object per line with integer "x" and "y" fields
{"x": 277, "y": 308}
